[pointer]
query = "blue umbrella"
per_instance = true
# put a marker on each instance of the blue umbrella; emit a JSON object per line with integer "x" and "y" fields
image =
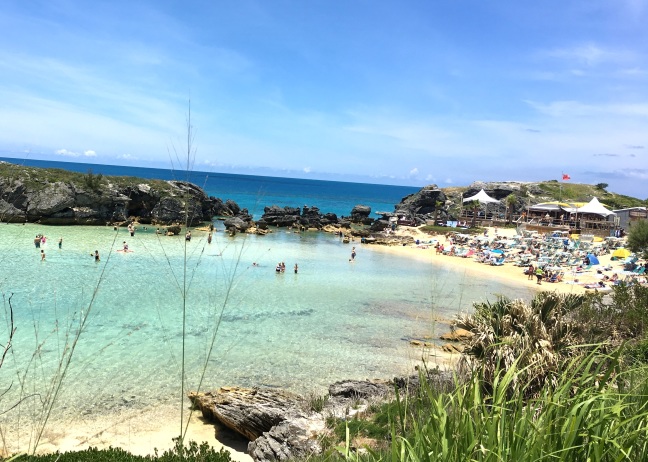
{"x": 500, "y": 251}
{"x": 593, "y": 259}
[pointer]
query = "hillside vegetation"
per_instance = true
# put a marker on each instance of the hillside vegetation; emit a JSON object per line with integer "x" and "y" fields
{"x": 546, "y": 191}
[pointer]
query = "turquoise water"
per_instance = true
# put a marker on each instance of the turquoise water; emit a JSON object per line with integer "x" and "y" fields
{"x": 333, "y": 320}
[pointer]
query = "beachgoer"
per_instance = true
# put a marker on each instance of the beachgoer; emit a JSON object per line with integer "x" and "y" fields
{"x": 530, "y": 271}
{"x": 209, "y": 238}
{"x": 278, "y": 268}
{"x": 125, "y": 247}
{"x": 96, "y": 255}
{"x": 539, "y": 275}
{"x": 37, "y": 241}
{"x": 43, "y": 240}
{"x": 353, "y": 253}
{"x": 296, "y": 268}
{"x": 188, "y": 236}
{"x": 60, "y": 243}
{"x": 42, "y": 255}
{"x": 283, "y": 266}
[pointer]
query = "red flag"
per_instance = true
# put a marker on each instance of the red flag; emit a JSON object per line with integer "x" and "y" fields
{"x": 566, "y": 177}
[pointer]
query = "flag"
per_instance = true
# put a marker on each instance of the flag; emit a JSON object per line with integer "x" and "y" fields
{"x": 566, "y": 177}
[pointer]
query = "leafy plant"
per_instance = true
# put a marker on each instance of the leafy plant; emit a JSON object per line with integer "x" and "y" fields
{"x": 638, "y": 238}
{"x": 536, "y": 338}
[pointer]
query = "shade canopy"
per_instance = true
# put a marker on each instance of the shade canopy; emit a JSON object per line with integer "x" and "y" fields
{"x": 595, "y": 207}
{"x": 482, "y": 197}
{"x": 556, "y": 206}
{"x": 621, "y": 253}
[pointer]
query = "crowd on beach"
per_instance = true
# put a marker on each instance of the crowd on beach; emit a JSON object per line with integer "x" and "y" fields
{"x": 581, "y": 260}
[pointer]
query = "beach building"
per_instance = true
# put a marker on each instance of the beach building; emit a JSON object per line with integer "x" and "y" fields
{"x": 584, "y": 217}
{"x": 624, "y": 218}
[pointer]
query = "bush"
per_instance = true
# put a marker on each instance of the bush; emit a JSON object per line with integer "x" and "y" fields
{"x": 191, "y": 452}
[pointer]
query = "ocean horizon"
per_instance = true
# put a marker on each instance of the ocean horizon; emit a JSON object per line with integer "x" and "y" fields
{"x": 256, "y": 192}
{"x": 112, "y": 332}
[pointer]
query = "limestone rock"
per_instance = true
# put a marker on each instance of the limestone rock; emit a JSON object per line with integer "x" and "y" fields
{"x": 248, "y": 411}
{"x": 457, "y": 335}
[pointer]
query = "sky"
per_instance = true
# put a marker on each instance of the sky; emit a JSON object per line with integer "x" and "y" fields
{"x": 412, "y": 92}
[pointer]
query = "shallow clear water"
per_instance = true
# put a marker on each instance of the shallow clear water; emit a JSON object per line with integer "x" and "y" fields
{"x": 333, "y": 320}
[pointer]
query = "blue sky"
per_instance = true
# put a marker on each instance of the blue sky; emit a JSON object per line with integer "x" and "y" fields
{"x": 412, "y": 92}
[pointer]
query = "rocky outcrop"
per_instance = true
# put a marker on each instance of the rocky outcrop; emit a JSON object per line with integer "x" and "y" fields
{"x": 279, "y": 425}
{"x": 360, "y": 214}
{"x": 30, "y": 194}
{"x": 423, "y": 205}
{"x": 272, "y": 419}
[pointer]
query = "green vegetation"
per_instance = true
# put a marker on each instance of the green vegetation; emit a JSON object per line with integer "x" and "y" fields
{"x": 92, "y": 181}
{"x": 38, "y": 178}
{"x": 191, "y": 451}
{"x": 638, "y": 238}
{"x": 577, "y": 192}
{"x": 531, "y": 393}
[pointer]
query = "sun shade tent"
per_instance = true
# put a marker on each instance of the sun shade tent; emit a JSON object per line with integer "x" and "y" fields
{"x": 482, "y": 197}
{"x": 595, "y": 207}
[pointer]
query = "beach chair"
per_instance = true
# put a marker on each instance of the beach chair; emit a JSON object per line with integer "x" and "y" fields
{"x": 499, "y": 262}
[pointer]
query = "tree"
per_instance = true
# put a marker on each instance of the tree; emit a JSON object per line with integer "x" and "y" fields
{"x": 601, "y": 186}
{"x": 437, "y": 206}
{"x": 638, "y": 238}
{"x": 474, "y": 205}
{"x": 511, "y": 202}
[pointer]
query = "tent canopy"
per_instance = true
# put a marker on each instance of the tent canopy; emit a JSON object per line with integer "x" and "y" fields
{"x": 482, "y": 197}
{"x": 556, "y": 206}
{"x": 595, "y": 207}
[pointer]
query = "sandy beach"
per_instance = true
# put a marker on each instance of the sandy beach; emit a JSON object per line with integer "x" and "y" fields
{"x": 512, "y": 274}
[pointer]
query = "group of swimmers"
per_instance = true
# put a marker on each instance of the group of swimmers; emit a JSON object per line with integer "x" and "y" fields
{"x": 281, "y": 267}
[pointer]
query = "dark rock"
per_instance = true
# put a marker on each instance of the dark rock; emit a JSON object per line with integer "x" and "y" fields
{"x": 282, "y": 217}
{"x": 422, "y": 204}
{"x": 358, "y": 389}
{"x": 237, "y": 223}
{"x": 26, "y": 194}
{"x": 174, "y": 229}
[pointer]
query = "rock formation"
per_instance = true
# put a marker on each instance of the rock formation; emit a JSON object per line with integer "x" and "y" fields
{"x": 279, "y": 425}
{"x": 56, "y": 197}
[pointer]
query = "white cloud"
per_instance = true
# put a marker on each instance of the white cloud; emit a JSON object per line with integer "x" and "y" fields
{"x": 89, "y": 153}
{"x": 307, "y": 169}
{"x": 414, "y": 172}
{"x": 66, "y": 153}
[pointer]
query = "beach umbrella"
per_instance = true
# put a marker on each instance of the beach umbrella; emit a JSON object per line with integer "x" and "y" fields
{"x": 499, "y": 251}
{"x": 621, "y": 253}
{"x": 593, "y": 259}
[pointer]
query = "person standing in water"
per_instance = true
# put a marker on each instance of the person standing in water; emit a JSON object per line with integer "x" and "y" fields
{"x": 96, "y": 255}
{"x": 42, "y": 255}
{"x": 296, "y": 268}
{"x": 60, "y": 243}
{"x": 353, "y": 254}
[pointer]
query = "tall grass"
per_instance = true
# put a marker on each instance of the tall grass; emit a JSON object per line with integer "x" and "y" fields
{"x": 596, "y": 412}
